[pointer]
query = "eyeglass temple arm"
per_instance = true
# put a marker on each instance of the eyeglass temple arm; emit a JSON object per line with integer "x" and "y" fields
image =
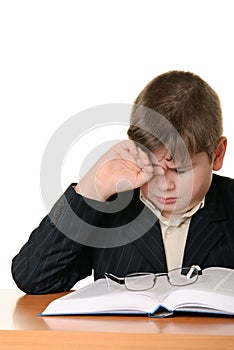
{"x": 192, "y": 268}
{"x": 114, "y": 278}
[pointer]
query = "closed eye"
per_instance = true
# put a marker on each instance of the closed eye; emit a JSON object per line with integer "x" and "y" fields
{"x": 182, "y": 170}
{"x": 179, "y": 171}
{"x": 176, "y": 170}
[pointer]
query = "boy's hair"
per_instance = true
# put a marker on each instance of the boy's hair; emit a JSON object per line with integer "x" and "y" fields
{"x": 177, "y": 108}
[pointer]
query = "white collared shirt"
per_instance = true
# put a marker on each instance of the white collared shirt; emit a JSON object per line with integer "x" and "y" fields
{"x": 174, "y": 233}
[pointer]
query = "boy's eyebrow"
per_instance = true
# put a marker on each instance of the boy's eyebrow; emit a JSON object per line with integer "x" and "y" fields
{"x": 180, "y": 166}
{"x": 183, "y": 166}
{"x": 173, "y": 162}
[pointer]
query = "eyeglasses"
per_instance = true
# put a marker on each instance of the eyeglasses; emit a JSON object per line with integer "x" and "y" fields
{"x": 140, "y": 281}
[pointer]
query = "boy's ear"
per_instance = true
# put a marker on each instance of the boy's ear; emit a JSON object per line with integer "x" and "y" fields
{"x": 219, "y": 154}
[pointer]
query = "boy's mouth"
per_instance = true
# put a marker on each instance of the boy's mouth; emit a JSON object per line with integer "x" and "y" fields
{"x": 166, "y": 200}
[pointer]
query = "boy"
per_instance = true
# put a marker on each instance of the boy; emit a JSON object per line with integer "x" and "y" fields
{"x": 151, "y": 203}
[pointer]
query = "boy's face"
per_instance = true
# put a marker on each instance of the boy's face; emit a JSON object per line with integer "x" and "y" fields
{"x": 181, "y": 186}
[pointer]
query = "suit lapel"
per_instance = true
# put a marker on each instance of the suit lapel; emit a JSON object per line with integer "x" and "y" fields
{"x": 146, "y": 230}
{"x": 206, "y": 230}
{"x": 150, "y": 245}
{"x": 202, "y": 238}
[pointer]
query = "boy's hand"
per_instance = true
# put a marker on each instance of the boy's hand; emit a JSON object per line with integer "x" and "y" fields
{"x": 123, "y": 167}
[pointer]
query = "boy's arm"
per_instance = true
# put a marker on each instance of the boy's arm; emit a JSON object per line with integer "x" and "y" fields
{"x": 51, "y": 261}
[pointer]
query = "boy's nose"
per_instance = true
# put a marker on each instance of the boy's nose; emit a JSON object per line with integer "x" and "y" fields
{"x": 165, "y": 182}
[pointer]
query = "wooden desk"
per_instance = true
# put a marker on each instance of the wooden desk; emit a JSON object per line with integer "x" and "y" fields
{"x": 21, "y": 328}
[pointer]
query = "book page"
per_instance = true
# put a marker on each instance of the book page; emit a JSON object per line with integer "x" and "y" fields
{"x": 214, "y": 290}
{"x": 217, "y": 279}
{"x": 99, "y": 298}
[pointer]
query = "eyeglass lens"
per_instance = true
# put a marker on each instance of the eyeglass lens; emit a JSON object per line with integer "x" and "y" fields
{"x": 177, "y": 277}
{"x": 183, "y": 276}
{"x": 140, "y": 281}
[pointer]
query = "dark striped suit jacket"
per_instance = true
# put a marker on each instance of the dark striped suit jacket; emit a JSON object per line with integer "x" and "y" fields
{"x": 61, "y": 250}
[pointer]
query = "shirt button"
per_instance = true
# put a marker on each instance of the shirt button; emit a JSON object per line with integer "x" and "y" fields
{"x": 56, "y": 213}
{"x": 169, "y": 230}
{"x": 61, "y": 204}
{"x": 53, "y": 221}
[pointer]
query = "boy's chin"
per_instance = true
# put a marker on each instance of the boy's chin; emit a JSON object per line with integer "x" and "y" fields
{"x": 173, "y": 211}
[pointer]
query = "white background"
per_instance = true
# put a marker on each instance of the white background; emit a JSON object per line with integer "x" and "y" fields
{"x": 61, "y": 57}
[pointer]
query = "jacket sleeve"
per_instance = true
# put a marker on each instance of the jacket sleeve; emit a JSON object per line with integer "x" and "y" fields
{"x": 54, "y": 259}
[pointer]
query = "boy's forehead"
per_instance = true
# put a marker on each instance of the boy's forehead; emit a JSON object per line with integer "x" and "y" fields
{"x": 161, "y": 153}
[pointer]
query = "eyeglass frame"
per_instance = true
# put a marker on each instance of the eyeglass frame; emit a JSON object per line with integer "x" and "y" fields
{"x": 121, "y": 280}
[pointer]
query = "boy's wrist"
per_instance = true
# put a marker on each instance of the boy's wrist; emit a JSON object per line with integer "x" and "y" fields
{"x": 95, "y": 191}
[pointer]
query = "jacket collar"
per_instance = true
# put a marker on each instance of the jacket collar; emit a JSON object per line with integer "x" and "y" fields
{"x": 206, "y": 228}
{"x": 146, "y": 229}
{"x": 214, "y": 206}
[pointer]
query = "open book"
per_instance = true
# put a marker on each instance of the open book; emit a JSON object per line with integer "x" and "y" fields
{"x": 212, "y": 293}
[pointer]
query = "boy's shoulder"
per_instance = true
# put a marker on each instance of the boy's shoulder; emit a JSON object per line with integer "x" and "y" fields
{"x": 223, "y": 182}
{"x": 219, "y": 201}
{"x": 223, "y": 187}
